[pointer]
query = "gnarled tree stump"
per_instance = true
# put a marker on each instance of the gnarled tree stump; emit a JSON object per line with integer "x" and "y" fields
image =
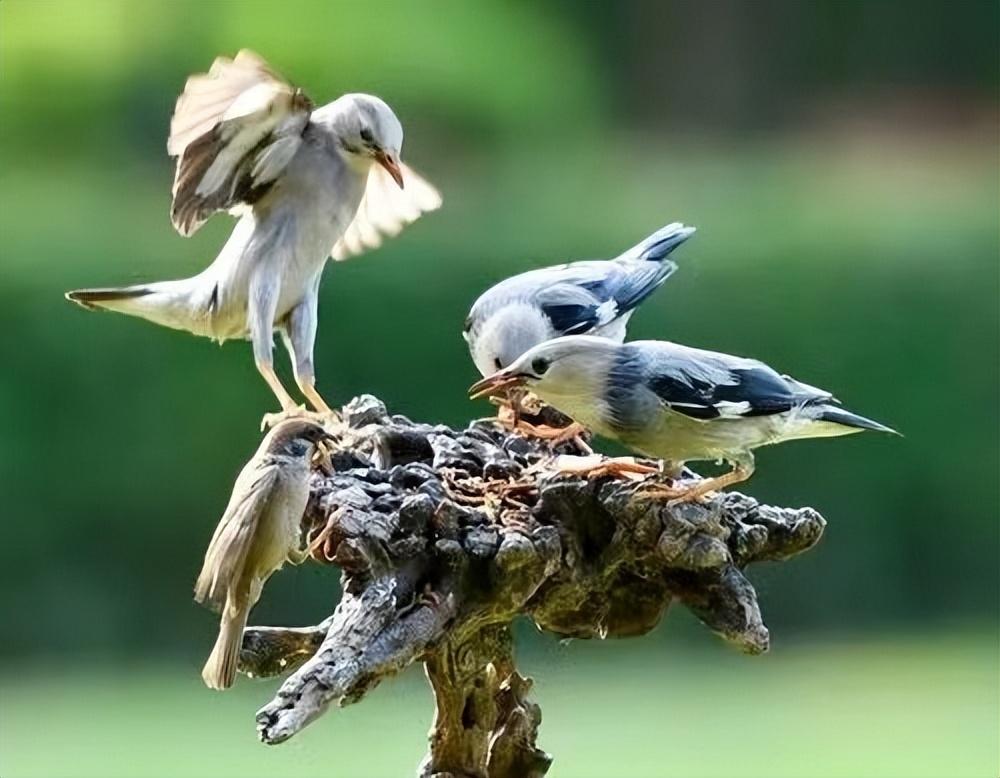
{"x": 444, "y": 537}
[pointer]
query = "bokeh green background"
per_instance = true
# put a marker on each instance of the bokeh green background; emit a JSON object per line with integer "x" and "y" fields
{"x": 840, "y": 160}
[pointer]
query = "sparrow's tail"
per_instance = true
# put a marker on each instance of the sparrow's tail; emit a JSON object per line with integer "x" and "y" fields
{"x": 168, "y": 303}
{"x": 220, "y": 669}
{"x": 658, "y": 245}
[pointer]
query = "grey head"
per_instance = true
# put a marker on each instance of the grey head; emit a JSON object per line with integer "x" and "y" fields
{"x": 570, "y": 373}
{"x": 366, "y": 130}
{"x": 294, "y": 438}
{"x": 591, "y": 297}
{"x": 496, "y": 340}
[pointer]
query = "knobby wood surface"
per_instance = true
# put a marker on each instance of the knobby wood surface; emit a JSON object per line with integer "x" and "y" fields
{"x": 444, "y": 536}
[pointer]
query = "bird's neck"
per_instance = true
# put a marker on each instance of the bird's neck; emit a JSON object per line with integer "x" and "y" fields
{"x": 359, "y": 164}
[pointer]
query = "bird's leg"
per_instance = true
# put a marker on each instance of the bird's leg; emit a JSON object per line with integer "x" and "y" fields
{"x": 743, "y": 467}
{"x": 260, "y": 320}
{"x": 288, "y": 405}
{"x": 299, "y": 335}
{"x": 658, "y": 489}
{"x": 597, "y": 466}
{"x": 298, "y": 332}
{"x": 308, "y": 387}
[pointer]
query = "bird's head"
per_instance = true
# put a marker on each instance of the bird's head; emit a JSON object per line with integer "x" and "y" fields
{"x": 563, "y": 371}
{"x": 367, "y": 130}
{"x": 498, "y": 341}
{"x": 295, "y": 437}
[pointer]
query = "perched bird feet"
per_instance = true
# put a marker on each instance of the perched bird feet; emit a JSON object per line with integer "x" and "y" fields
{"x": 703, "y": 490}
{"x": 674, "y": 495}
{"x": 597, "y": 466}
{"x": 330, "y": 420}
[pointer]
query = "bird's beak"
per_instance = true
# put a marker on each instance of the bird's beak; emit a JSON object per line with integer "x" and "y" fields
{"x": 495, "y": 383}
{"x": 390, "y": 163}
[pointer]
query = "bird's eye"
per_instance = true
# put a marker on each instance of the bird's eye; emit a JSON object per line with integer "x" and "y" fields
{"x": 366, "y": 135}
{"x": 497, "y": 363}
{"x": 539, "y": 366}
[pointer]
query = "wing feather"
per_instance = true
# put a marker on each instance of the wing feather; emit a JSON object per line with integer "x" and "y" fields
{"x": 230, "y": 545}
{"x": 713, "y": 391}
{"x": 582, "y": 297}
{"x": 233, "y": 131}
{"x": 385, "y": 210}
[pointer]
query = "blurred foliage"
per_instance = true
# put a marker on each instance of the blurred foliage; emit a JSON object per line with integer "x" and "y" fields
{"x": 867, "y": 709}
{"x": 850, "y": 241}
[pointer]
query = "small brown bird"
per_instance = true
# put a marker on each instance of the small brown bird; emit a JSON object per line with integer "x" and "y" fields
{"x": 257, "y": 533}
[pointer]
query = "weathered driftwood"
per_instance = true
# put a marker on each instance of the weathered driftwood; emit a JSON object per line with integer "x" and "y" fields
{"x": 444, "y": 537}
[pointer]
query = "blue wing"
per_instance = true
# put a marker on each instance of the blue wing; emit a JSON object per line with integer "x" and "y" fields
{"x": 582, "y": 297}
{"x": 706, "y": 385}
{"x": 590, "y": 295}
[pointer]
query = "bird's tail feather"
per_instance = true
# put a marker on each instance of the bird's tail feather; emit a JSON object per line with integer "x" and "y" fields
{"x": 168, "y": 303}
{"x": 844, "y": 418}
{"x": 106, "y": 298}
{"x": 220, "y": 669}
{"x": 658, "y": 245}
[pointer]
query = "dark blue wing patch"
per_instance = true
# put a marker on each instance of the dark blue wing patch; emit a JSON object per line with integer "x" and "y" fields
{"x": 635, "y": 282}
{"x": 759, "y": 390}
{"x": 572, "y": 319}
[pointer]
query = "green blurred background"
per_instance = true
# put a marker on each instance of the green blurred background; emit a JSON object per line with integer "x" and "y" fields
{"x": 840, "y": 160}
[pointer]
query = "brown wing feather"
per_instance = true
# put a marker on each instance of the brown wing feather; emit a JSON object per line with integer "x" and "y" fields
{"x": 226, "y": 123}
{"x": 230, "y": 545}
{"x": 207, "y": 96}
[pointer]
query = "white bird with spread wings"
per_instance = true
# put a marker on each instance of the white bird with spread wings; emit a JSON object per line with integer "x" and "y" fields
{"x": 306, "y": 183}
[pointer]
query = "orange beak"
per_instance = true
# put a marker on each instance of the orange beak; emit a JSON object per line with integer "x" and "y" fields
{"x": 390, "y": 164}
{"x": 493, "y": 384}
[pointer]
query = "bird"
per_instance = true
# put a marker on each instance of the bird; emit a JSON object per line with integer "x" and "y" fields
{"x": 258, "y": 532}
{"x": 587, "y": 297}
{"x": 306, "y": 183}
{"x": 676, "y": 403}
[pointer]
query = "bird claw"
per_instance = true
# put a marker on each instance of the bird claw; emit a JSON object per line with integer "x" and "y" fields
{"x": 331, "y": 421}
{"x": 672, "y": 494}
{"x": 597, "y": 466}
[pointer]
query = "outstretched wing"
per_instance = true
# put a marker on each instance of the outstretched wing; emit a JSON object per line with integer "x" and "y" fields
{"x": 385, "y": 209}
{"x": 585, "y": 296}
{"x": 233, "y": 131}
{"x": 230, "y": 545}
{"x": 706, "y": 385}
